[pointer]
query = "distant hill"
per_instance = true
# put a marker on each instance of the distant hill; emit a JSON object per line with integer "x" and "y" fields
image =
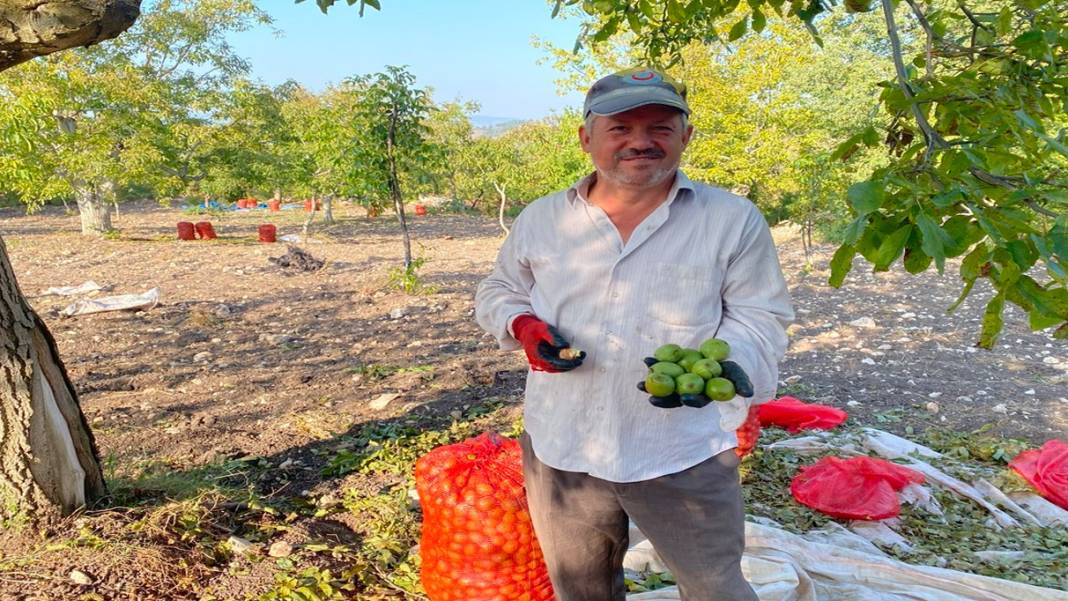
{"x": 491, "y": 127}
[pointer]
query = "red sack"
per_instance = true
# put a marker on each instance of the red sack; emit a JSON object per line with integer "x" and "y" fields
{"x": 794, "y": 415}
{"x": 748, "y": 433}
{"x": 478, "y": 543}
{"x": 205, "y": 231}
{"x": 186, "y": 231}
{"x": 1047, "y": 470}
{"x": 859, "y": 488}
{"x": 267, "y": 232}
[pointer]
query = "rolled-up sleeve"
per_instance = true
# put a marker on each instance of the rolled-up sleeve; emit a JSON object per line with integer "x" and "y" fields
{"x": 756, "y": 308}
{"x": 506, "y": 292}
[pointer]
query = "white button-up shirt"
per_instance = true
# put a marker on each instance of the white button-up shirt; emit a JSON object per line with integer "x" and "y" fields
{"x": 701, "y": 265}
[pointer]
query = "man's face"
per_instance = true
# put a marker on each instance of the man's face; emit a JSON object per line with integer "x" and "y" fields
{"x": 639, "y": 148}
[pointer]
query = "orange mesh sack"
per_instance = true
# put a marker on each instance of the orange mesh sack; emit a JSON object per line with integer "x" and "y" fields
{"x": 478, "y": 543}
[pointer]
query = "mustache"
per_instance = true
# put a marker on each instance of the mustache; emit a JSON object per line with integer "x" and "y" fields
{"x": 652, "y": 153}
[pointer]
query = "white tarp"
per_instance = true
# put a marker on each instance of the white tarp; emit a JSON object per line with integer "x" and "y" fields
{"x": 122, "y": 302}
{"x": 828, "y": 566}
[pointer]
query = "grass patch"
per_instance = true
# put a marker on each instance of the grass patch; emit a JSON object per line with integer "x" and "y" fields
{"x": 153, "y": 481}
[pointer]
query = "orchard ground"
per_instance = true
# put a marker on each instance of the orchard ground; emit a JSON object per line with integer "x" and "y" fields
{"x": 256, "y": 403}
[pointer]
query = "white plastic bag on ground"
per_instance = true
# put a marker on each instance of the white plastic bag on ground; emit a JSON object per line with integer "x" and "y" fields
{"x": 122, "y": 302}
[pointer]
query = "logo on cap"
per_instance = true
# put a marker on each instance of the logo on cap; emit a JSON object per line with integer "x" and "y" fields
{"x": 643, "y": 78}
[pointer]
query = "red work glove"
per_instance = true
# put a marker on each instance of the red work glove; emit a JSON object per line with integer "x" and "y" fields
{"x": 543, "y": 345}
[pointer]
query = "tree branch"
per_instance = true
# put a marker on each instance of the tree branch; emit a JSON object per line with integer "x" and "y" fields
{"x": 934, "y": 140}
{"x": 1008, "y": 184}
{"x": 971, "y": 17}
{"x": 931, "y": 37}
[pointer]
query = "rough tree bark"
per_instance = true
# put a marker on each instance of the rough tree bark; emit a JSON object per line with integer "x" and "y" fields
{"x": 48, "y": 460}
{"x": 328, "y": 210}
{"x": 94, "y": 209}
{"x": 49, "y": 465}
{"x": 32, "y": 28}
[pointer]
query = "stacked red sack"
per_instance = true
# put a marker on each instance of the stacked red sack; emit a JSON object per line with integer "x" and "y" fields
{"x": 478, "y": 543}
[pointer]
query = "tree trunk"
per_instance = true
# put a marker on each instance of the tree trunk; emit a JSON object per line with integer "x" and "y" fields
{"x": 95, "y": 210}
{"x": 504, "y": 199}
{"x": 395, "y": 192}
{"x": 32, "y": 28}
{"x": 49, "y": 465}
{"x": 328, "y": 210}
{"x": 311, "y": 215}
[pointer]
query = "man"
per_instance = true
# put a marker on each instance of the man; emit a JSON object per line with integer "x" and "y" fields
{"x": 634, "y": 256}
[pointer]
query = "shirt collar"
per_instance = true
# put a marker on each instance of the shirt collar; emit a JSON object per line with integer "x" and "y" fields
{"x": 580, "y": 190}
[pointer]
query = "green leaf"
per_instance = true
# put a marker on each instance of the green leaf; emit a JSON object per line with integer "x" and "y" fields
{"x": 870, "y": 136}
{"x": 759, "y": 20}
{"x": 948, "y": 198}
{"x": 916, "y": 261}
{"x": 841, "y": 264}
{"x": 972, "y": 265}
{"x": 1032, "y": 43}
{"x": 855, "y": 229}
{"x": 1055, "y": 144}
{"x": 963, "y": 232}
{"x": 1037, "y": 320}
{"x": 847, "y": 148}
{"x": 647, "y": 9}
{"x": 675, "y": 11}
{"x": 992, "y": 322}
{"x": 1022, "y": 253}
{"x": 1026, "y": 120}
{"x": 1007, "y": 274}
{"x": 935, "y": 240}
{"x": 739, "y": 29}
{"x": 1051, "y": 301}
{"x": 891, "y": 247}
{"x": 865, "y": 196}
{"x": 1004, "y": 21}
{"x": 963, "y": 295}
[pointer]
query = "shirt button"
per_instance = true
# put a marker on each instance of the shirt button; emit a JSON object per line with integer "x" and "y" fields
{"x": 615, "y": 295}
{"x": 602, "y": 370}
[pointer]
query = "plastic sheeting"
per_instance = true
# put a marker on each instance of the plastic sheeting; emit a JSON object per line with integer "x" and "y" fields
{"x": 837, "y": 565}
{"x": 84, "y": 288}
{"x": 122, "y": 302}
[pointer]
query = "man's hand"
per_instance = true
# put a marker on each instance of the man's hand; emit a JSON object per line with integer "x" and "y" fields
{"x": 546, "y": 349}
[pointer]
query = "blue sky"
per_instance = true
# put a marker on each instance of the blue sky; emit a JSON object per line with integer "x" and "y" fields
{"x": 472, "y": 49}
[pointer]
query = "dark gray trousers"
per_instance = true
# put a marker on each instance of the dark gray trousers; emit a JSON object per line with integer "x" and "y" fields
{"x": 694, "y": 519}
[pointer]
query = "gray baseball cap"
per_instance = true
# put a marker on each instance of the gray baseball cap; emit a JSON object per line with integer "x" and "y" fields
{"x": 630, "y": 89}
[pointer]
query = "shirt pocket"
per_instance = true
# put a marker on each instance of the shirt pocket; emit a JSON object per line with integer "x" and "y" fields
{"x": 684, "y": 295}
